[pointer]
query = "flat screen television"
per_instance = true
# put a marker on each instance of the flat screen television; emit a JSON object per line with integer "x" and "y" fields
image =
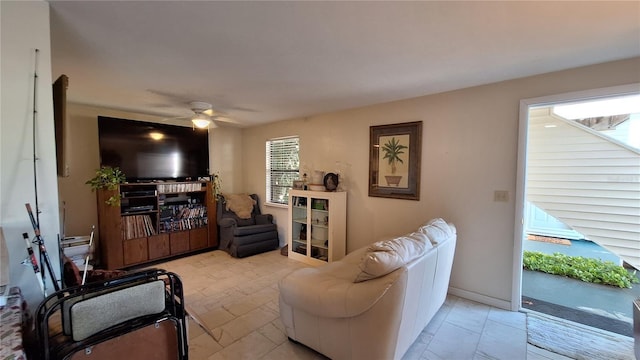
{"x": 147, "y": 151}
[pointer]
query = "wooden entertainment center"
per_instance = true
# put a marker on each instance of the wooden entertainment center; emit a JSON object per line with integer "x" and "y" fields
{"x": 156, "y": 221}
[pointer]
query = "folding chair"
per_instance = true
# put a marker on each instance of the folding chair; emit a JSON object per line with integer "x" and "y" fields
{"x": 137, "y": 316}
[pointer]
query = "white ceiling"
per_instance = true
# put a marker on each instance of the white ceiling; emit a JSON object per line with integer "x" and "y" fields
{"x": 258, "y": 62}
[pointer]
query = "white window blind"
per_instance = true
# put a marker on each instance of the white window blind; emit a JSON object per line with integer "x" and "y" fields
{"x": 283, "y": 165}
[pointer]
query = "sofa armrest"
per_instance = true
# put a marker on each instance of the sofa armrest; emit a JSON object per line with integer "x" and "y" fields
{"x": 323, "y": 294}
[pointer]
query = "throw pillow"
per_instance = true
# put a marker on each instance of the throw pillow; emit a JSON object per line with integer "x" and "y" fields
{"x": 241, "y": 204}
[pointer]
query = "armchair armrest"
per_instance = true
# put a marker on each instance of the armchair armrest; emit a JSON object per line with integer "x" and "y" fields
{"x": 227, "y": 222}
{"x": 262, "y": 219}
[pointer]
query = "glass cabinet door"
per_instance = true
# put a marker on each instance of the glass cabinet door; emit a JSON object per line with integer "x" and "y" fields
{"x": 319, "y": 229}
{"x": 299, "y": 233}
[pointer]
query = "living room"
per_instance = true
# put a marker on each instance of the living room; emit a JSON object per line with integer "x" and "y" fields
{"x": 470, "y": 149}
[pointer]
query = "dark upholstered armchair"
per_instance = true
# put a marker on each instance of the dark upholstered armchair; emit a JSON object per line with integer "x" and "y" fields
{"x": 245, "y": 237}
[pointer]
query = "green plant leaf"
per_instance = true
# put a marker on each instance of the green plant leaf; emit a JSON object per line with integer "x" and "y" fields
{"x": 107, "y": 178}
{"x": 392, "y": 150}
{"x": 577, "y": 267}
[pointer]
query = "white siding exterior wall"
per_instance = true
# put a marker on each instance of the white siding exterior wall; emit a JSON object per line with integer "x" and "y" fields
{"x": 587, "y": 181}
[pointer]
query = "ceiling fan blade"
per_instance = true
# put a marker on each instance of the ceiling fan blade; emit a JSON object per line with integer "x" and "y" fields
{"x": 205, "y": 110}
{"x": 224, "y": 120}
{"x": 177, "y": 118}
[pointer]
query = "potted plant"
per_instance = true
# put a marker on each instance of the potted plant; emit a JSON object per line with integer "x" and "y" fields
{"x": 108, "y": 178}
{"x": 392, "y": 151}
{"x": 216, "y": 185}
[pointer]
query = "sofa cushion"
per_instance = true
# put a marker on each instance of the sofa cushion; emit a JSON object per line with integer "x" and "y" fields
{"x": 386, "y": 256}
{"x": 437, "y": 230}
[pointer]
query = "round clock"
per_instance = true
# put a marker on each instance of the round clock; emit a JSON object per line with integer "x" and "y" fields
{"x": 331, "y": 181}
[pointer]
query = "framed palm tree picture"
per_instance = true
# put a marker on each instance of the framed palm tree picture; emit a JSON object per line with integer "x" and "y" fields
{"x": 394, "y": 160}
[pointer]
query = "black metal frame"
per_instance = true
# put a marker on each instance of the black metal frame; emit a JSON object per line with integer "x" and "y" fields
{"x": 65, "y": 346}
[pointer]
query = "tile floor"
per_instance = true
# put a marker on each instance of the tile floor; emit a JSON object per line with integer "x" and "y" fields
{"x": 236, "y": 301}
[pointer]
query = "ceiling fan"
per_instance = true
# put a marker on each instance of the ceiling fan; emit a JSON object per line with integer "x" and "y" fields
{"x": 203, "y": 115}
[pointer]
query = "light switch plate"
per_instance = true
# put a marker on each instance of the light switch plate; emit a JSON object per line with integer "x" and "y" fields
{"x": 501, "y": 196}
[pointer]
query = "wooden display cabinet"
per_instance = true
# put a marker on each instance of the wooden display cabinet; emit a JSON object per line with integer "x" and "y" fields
{"x": 317, "y": 226}
{"x": 156, "y": 221}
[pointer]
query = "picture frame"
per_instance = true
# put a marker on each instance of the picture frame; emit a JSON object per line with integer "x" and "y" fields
{"x": 394, "y": 160}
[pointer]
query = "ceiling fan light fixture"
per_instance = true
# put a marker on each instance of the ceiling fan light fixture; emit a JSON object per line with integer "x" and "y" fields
{"x": 201, "y": 121}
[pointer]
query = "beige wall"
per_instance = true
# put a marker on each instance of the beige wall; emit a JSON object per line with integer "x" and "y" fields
{"x": 225, "y": 156}
{"x": 24, "y": 28}
{"x": 469, "y": 150}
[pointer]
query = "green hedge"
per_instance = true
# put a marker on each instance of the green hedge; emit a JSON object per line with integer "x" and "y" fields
{"x": 578, "y": 267}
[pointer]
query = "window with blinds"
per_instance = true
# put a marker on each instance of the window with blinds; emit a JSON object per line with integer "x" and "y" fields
{"x": 283, "y": 165}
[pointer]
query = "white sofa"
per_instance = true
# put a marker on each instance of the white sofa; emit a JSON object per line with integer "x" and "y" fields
{"x": 373, "y": 303}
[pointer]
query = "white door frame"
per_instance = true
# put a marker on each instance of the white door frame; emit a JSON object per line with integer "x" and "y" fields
{"x": 520, "y": 196}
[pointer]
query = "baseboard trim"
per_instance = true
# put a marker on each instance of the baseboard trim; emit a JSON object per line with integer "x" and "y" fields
{"x": 484, "y": 299}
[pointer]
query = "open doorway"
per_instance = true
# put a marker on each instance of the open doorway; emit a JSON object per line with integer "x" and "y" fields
{"x": 578, "y": 192}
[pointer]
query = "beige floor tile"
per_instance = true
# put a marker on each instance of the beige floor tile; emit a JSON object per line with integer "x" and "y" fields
{"x": 252, "y": 346}
{"x": 273, "y": 305}
{"x": 223, "y": 338}
{"x": 202, "y": 347}
{"x": 240, "y": 307}
{"x": 278, "y": 324}
{"x": 291, "y": 351}
{"x": 273, "y": 333}
{"x": 514, "y": 319}
{"x": 193, "y": 329}
{"x": 249, "y": 322}
{"x": 249, "y": 301}
{"x": 500, "y": 341}
{"x": 216, "y": 318}
{"x": 453, "y": 342}
{"x": 468, "y": 314}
